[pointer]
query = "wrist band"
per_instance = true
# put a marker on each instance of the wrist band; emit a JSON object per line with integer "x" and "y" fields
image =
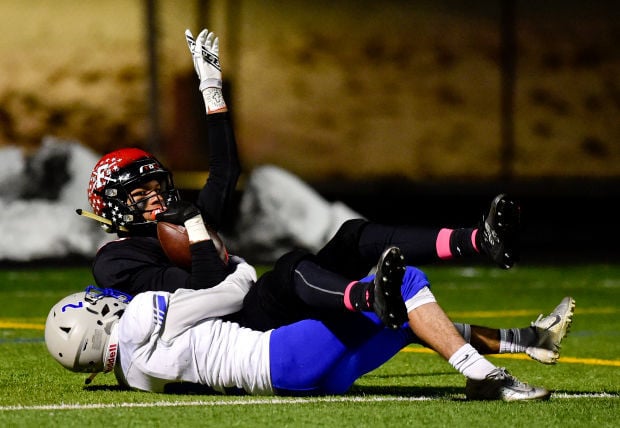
{"x": 214, "y": 100}
{"x": 196, "y": 230}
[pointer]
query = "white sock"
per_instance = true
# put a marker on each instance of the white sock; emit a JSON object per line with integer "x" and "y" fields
{"x": 515, "y": 340}
{"x": 469, "y": 362}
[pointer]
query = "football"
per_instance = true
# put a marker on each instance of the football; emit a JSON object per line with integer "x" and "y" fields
{"x": 175, "y": 242}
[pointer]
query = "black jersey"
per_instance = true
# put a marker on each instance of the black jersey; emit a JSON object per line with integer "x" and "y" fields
{"x": 136, "y": 262}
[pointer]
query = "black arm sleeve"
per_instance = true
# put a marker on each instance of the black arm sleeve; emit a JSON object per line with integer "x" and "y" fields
{"x": 215, "y": 198}
{"x": 208, "y": 269}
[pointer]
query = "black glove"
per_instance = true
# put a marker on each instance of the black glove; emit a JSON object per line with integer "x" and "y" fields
{"x": 178, "y": 212}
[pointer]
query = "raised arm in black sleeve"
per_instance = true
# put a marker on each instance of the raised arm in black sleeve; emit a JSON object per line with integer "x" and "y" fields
{"x": 216, "y": 197}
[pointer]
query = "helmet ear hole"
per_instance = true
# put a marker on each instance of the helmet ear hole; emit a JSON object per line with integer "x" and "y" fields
{"x": 105, "y": 310}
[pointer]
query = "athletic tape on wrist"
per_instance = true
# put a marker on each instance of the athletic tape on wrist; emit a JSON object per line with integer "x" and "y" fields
{"x": 196, "y": 230}
{"x": 214, "y": 100}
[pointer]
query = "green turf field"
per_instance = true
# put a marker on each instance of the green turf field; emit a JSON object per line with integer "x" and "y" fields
{"x": 415, "y": 388}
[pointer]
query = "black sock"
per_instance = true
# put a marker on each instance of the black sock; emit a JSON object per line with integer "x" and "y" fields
{"x": 461, "y": 242}
{"x": 358, "y": 296}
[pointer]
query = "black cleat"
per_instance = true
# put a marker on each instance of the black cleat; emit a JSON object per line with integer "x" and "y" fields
{"x": 500, "y": 232}
{"x": 388, "y": 302}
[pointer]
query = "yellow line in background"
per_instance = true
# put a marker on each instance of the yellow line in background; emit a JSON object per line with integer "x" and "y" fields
{"x": 11, "y": 324}
{"x": 21, "y": 325}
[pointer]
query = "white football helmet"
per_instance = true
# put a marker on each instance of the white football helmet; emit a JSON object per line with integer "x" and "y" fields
{"x": 80, "y": 330}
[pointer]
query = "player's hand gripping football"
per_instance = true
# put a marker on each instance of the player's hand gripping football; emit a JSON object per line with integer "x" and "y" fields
{"x": 178, "y": 212}
{"x": 189, "y": 228}
{"x": 186, "y": 214}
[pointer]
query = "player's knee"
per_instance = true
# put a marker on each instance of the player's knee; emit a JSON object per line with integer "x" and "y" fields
{"x": 413, "y": 282}
{"x": 351, "y": 229}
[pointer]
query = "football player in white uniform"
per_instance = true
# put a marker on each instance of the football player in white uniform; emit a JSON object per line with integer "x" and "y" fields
{"x": 159, "y": 341}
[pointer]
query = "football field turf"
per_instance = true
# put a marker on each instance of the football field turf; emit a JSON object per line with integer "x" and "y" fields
{"x": 415, "y": 388}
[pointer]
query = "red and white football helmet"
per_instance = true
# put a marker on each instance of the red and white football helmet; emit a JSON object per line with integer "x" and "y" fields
{"x": 116, "y": 175}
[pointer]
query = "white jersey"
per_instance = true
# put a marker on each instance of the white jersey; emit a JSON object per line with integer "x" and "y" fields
{"x": 175, "y": 337}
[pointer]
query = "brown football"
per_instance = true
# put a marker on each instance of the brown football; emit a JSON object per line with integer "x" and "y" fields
{"x": 175, "y": 242}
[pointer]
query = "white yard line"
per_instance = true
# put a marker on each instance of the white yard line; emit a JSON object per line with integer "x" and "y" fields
{"x": 270, "y": 401}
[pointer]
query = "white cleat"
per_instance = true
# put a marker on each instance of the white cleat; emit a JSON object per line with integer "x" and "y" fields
{"x": 501, "y": 385}
{"x": 550, "y": 331}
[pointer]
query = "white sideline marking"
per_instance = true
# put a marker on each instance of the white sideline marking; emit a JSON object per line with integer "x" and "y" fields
{"x": 239, "y": 402}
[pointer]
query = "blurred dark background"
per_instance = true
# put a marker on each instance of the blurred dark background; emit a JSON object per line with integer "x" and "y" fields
{"x": 563, "y": 221}
{"x": 408, "y": 111}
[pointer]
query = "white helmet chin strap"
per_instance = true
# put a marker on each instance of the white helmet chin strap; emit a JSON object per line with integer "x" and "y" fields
{"x": 109, "y": 358}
